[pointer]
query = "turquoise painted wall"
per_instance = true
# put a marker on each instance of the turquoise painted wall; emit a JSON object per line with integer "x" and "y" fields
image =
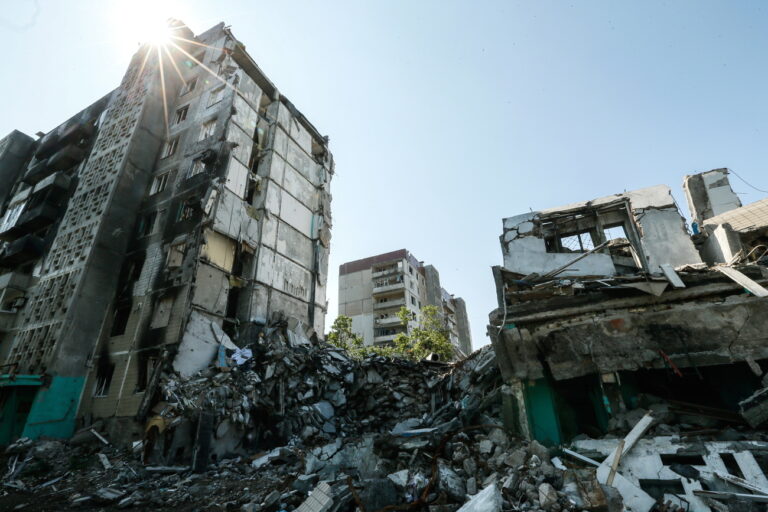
{"x": 54, "y": 409}
{"x": 541, "y": 406}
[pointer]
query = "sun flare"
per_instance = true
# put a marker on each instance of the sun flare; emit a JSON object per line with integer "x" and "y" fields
{"x": 145, "y": 22}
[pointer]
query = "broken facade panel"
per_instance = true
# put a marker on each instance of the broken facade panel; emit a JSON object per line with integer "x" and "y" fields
{"x": 604, "y": 302}
{"x": 152, "y": 210}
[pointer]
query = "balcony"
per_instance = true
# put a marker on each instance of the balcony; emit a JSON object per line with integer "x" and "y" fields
{"x": 27, "y": 248}
{"x": 387, "y": 271}
{"x": 388, "y": 321}
{"x": 14, "y": 280}
{"x": 384, "y": 339}
{"x": 387, "y": 288}
{"x": 7, "y": 320}
{"x": 389, "y": 304}
{"x": 38, "y": 217}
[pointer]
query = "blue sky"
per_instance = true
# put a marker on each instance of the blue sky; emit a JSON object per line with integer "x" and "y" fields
{"x": 444, "y": 117}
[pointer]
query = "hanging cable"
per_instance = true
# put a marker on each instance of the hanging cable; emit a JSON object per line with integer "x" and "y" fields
{"x": 747, "y": 183}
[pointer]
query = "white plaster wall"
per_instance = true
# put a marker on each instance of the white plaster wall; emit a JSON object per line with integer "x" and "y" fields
{"x": 665, "y": 239}
{"x": 296, "y": 214}
{"x": 721, "y": 197}
{"x": 528, "y": 254}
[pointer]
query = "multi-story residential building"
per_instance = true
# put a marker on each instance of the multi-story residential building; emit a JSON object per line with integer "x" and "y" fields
{"x": 372, "y": 290}
{"x": 190, "y": 204}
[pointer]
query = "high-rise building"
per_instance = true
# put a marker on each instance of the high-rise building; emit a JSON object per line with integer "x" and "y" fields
{"x": 189, "y": 204}
{"x": 372, "y": 290}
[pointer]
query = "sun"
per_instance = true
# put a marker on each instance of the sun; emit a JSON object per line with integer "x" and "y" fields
{"x": 155, "y": 32}
{"x": 145, "y": 22}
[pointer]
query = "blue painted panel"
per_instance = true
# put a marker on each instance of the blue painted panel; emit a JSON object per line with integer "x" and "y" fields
{"x": 54, "y": 409}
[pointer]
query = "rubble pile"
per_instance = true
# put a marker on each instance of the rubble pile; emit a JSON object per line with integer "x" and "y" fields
{"x": 287, "y": 424}
{"x": 282, "y": 389}
{"x": 300, "y": 425}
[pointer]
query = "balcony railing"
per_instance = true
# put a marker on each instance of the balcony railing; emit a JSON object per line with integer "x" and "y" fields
{"x": 388, "y": 320}
{"x": 389, "y": 304}
{"x": 381, "y": 272}
{"x": 384, "y": 288}
{"x": 384, "y": 339}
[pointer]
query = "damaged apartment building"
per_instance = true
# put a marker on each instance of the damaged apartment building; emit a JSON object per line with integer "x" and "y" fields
{"x": 186, "y": 209}
{"x": 612, "y": 305}
{"x": 372, "y": 290}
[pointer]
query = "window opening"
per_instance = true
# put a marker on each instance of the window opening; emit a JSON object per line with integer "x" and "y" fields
{"x": 579, "y": 242}
{"x": 216, "y": 96}
{"x": 103, "y": 379}
{"x": 189, "y": 86}
{"x": 207, "y": 130}
{"x": 158, "y": 183}
{"x": 198, "y": 166}
{"x": 181, "y": 114}
{"x": 169, "y": 148}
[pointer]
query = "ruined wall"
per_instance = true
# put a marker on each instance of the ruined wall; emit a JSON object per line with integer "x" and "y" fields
{"x": 223, "y": 235}
{"x": 709, "y": 194}
{"x": 294, "y": 195}
{"x": 650, "y": 219}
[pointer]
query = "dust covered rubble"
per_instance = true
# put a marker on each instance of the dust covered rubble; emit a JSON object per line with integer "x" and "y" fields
{"x": 292, "y": 424}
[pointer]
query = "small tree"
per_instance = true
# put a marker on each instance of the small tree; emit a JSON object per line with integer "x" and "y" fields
{"x": 341, "y": 336}
{"x": 429, "y": 336}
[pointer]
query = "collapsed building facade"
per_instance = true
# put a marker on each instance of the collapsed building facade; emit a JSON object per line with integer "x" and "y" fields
{"x": 372, "y": 290}
{"x": 188, "y": 207}
{"x": 610, "y": 305}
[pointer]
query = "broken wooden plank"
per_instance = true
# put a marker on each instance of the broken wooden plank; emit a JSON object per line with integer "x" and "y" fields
{"x": 740, "y": 482}
{"x": 99, "y": 436}
{"x": 638, "y": 431}
{"x": 615, "y": 463}
{"x": 743, "y": 280}
{"x": 732, "y": 496}
{"x": 672, "y": 276}
{"x": 580, "y": 457}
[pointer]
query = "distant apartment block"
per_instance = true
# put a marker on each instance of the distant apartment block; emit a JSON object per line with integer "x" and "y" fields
{"x": 372, "y": 290}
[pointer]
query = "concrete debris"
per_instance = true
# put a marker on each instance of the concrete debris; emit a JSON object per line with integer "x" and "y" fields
{"x": 442, "y": 450}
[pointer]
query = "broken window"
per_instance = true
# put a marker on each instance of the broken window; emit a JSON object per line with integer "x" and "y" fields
{"x": 186, "y": 211}
{"x": 579, "y": 242}
{"x": 207, "y": 129}
{"x": 176, "y": 255}
{"x": 147, "y": 224}
{"x": 216, "y": 96}
{"x": 615, "y": 232}
{"x": 103, "y": 379}
{"x": 181, "y": 114}
{"x": 11, "y": 216}
{"x": 120, "y": 319}
{"x": 198, "y": 166}
{"x": 158, "y": 183}
{"x": 189, "y": 86}
{"x": 169, "y": 147}
{"x": 147, "y": 362}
